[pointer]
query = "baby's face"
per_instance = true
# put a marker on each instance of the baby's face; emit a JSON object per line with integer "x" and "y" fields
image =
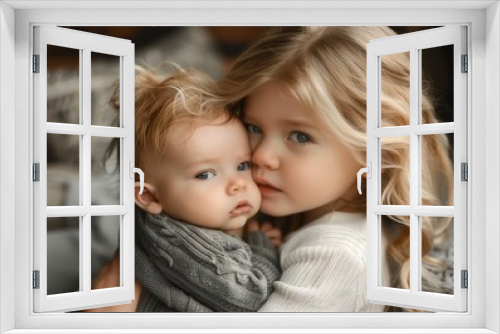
{"x": 207, "y": 179}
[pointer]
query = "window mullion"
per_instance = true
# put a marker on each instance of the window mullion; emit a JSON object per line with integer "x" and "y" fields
{"x": 85, "y": 233}
{"x": 426, "y": 129}
{"x": 418, "y": 135}
{"x": 414, "y": 170}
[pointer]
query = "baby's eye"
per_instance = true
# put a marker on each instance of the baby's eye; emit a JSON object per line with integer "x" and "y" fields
{"x": 253, "y": 128}
{"x": 205, "y": 175}
{"x": 244, "y": 166}
{"x": 300, "y": 137}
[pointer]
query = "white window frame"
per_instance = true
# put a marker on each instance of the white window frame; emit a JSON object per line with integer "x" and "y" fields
{"x": 414, "y": 44}
{"x": 16, "y": 21}
{"x": 123, "y": 50}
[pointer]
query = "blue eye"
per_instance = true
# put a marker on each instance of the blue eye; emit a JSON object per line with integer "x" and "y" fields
{"x": 300, "y": 137}
{"x": 253, "y": 128}
{"x": 205, "y": 175}
{"x": 244, "y": 166}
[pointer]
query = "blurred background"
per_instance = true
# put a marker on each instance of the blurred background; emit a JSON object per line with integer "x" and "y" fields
{"x": 212, "y": 49}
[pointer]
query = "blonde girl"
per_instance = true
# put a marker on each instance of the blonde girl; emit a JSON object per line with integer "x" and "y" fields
{"x": 301, "y": 92}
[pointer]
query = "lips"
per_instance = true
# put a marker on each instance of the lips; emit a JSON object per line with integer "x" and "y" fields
{"x": 266, "y": 187}
{"x": 241, "y": 208}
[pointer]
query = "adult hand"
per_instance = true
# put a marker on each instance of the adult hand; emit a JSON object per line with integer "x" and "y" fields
{"x": 109, "y": 277}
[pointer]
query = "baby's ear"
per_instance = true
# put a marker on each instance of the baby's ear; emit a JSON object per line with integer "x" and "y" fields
{"x": 147, "y": 200}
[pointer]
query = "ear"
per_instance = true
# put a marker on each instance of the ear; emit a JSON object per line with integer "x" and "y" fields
{"x": 147, "y": 200}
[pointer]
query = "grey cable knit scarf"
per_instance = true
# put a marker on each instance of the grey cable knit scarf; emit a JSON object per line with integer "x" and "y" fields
{"x": 186, "y": 268}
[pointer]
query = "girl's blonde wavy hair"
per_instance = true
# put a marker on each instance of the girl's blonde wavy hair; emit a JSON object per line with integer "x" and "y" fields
{"x": 324, "y": 68}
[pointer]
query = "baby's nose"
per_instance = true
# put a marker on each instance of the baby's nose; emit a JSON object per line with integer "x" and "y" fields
{"x": 237, "y": 185}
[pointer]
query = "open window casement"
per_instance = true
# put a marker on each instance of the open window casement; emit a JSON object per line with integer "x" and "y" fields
{"x": 83, "y": 210}
{"x": 451, "y": 212}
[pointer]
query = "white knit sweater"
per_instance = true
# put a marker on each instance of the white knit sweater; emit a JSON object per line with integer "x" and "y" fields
{"x": 324, "y": 268}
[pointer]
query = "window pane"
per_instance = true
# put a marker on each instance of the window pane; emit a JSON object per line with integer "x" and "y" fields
{"x": 105, "y": 73}
{"x": 437, "y": 246}
{"x": 395, "y": 170}
{"x": 437, "y": 63}
{"x": 63, "y": 170}
{"x": 105, "y": 171}
{"x": 105, "y": 234}
{"x": 63, "y": 85}
{"x": 395, "y": 69}
{"x": 437, "y": 170}
{"x": 395, "y": 252}
{"x": 63, "y": 255}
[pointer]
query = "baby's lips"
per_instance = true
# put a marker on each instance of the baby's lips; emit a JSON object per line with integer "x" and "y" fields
{"x": 242, "y": 207}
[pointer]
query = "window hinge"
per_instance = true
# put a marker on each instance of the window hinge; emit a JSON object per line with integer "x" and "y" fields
{"x": 36, "y": 172}
{"x": 464, "y": 171}
{"x": 36, "y": 63}
{"x": 36, "y": 279}
{"x": 465, "y": 279}
{"x": 465, "y": 64}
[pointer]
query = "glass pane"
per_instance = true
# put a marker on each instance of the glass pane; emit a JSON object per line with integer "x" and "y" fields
{"x": 437, "y": 84}
{"x": 63, "y": 255}
{"x": 437, "y": 248}
{"x": 105, "y": 234}
{"x": 105, "y": 171}
{"x": 395, "y": 70}
{"x": 396, "y": 255}
{"x": 395, "y": 170}
{"x": 437, "y": 170}
{"x": 105, "y": 73}
{"x": 63, "y": 170}
{"x": 63, "y": 85}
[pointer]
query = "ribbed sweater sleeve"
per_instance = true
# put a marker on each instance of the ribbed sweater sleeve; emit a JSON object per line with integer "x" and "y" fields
{"x": 217, "y": 270}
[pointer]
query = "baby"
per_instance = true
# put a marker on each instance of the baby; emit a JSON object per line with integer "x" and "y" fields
{"x": 198, "y": 190}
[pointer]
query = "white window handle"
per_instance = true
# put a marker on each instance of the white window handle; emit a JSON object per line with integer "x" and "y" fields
{"x": 133, "y": 170}
{"x": 368, "y": 171}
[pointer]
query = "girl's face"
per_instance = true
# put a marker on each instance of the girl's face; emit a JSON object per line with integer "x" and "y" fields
{"x": 299, "y": 164}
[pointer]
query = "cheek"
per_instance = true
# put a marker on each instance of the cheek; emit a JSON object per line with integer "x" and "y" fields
{"x": 199, "y": 205}
{"x": 209, "y": 197}
{"x": 199, "y": 197}
{"x": 308, "y": 173}
{"x": 317, "y": 180}
{"x": 254, "y": 194}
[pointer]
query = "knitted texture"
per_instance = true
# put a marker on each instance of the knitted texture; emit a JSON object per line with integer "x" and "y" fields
{"x": 324, "y": 268}
{"x": 187, "y": 268}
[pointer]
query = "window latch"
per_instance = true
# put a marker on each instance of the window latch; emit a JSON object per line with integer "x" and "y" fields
{"x": 368, "y": 171}
{"x": 133, "y": 170}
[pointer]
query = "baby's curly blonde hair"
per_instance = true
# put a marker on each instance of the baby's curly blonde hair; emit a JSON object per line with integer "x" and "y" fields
{"x": 324, "y": 68}
{"x": 165, "y": 100}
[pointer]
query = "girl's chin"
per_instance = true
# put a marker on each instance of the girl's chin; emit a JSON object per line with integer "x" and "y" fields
{"x": 275, "y": 209}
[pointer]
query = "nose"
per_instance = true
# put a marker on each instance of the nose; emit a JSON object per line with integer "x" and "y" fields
{"x": 236, "y": 185}
{"x": 264, "y": 156}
